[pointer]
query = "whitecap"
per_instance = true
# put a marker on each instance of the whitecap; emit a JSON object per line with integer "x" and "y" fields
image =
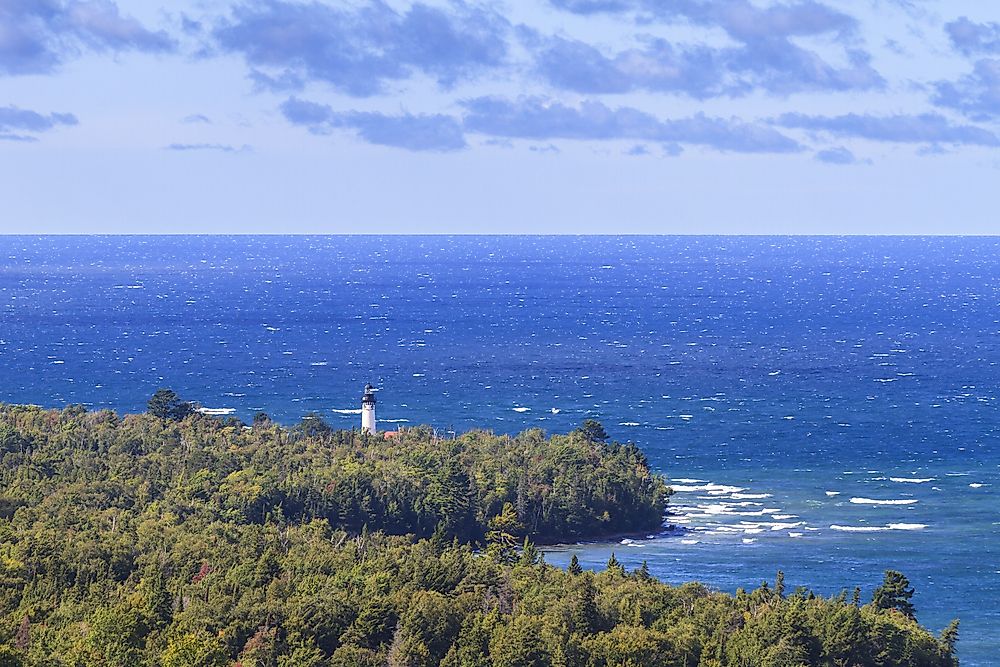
{"x": 750, "y": 496}
{"x": 690, "y": 541}
{"x": 795, "y": 534}
{"x": 709, "y": 488}
{"x": 555, "y": 411}
{"x": 521, "y": 409}
{"x": 870, "y": 501}
{"x": 976, "y": 485}
{"x": 907, "y": 526}
{"x": 320, "y": 363}
{"x": 859, "y": 529}
{"x": 833, "y": 493}
{"x": 346, "y": 412}
{"x": 911, "y": 480}
{"x": 628, "y": 424}
{"x": 216, "y": 412}
{"x": 749, "y": 540}
{"x": 786, "y": 526}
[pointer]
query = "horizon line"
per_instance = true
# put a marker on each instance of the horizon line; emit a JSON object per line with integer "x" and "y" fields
{"x": 488, "y": 235}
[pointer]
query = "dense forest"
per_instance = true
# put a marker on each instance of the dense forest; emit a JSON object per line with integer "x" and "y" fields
{"x": 558, "y": 489}
{"x": 175, "y": 539}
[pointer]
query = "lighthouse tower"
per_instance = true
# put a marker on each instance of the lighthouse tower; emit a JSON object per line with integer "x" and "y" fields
{"x": 368, "y": 410}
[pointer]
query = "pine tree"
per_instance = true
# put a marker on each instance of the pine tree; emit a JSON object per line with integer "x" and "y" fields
{"x": 949, "y": 636}
{"x": 585, "y": 617}
{"x": 574, "y": 566}
{"x": 593, "y": 431}
{"x": 166, "y": 404}
{"x": 529, "y": 553}
{"x": 614, "y": 565}
{"x": 894, "y": 593}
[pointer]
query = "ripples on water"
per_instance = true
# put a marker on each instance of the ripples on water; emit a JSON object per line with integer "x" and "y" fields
{"x": 825, "y": 406}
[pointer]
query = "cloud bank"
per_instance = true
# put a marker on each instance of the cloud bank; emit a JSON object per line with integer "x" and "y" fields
{"x": 476, "y": 70}
{"x": 359, "y": 50}
{"x": 22, "y": 124}
{"x": 901, "y": 128}
{"x": 423, "y": 132}
{"x": 37, "y": 36}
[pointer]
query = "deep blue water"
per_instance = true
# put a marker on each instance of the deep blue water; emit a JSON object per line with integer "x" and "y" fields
{"x": 784, "y": 384}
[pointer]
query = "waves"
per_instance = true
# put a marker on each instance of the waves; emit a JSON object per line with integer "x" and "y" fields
{"x": 217, "y": 412}
{"x": 879, "y": 529}
{"x": 715, "y": 489}
{"x": 872, "y": 501}
{"x": 715, "y": 512}
{"x": 725, "y": 512}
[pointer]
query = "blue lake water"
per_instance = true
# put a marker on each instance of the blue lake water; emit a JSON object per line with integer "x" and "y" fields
{"x": 825, "y": 406}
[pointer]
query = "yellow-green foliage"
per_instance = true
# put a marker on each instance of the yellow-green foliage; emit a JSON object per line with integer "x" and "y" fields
{"x": 141, "y": 542}
{"x": 560, "y": 488}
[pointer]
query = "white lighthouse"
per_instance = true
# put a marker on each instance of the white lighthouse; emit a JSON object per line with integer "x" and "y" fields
{"x": 368, "y": 410}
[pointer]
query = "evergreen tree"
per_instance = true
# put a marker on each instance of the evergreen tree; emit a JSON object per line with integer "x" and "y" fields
{"x": 574, "y": 566}
{"x": 529, "y": 553}
{"x": 166, "y": 404}
{"x": 614, "y": 566}
{"x": 949, "y": 636}
{"x": 894, "y": 593}
{"x": 593, "y": 431}
{"x": 584, "y": 615}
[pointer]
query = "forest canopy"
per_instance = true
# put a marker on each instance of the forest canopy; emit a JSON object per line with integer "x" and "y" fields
{"x": 182, "y": 539}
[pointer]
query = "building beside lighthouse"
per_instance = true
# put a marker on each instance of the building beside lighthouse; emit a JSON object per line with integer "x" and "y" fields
{"x": 368, "y": 410}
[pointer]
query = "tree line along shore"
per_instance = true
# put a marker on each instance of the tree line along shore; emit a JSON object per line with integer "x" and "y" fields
{"x": 172, "y": 539}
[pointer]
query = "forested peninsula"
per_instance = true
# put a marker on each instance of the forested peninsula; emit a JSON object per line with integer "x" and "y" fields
{"x": 175, "y": 539}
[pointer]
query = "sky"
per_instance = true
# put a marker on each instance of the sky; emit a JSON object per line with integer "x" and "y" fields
{"x": 534, "y": 116}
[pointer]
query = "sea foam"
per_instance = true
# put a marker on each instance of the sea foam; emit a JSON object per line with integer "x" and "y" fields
{"x": 871, "y": 501}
